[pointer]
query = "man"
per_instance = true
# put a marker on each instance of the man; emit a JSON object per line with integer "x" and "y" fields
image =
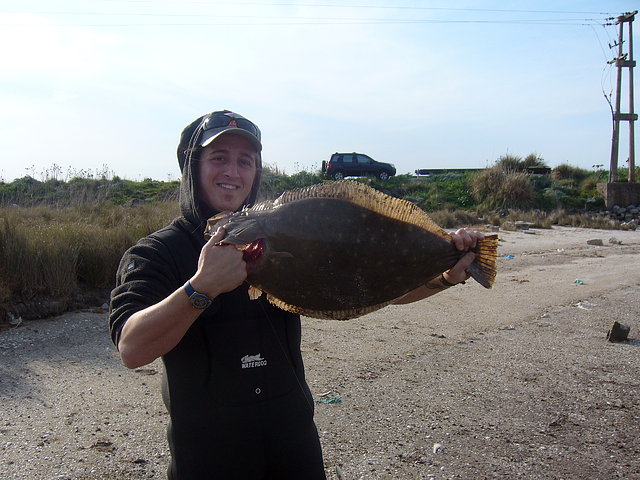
{"x": 234, "y": 381}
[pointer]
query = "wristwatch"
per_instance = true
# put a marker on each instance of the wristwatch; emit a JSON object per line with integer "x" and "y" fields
{"x": 198, "y": 300}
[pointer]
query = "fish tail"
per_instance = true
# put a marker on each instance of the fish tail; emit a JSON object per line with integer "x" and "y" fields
{"x": 483, "y": 268}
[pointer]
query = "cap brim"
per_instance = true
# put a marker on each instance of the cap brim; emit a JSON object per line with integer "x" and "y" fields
{"x": 210, "y": 135}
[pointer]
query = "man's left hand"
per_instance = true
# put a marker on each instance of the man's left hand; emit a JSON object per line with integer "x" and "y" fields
{"x": 464, "y": 239}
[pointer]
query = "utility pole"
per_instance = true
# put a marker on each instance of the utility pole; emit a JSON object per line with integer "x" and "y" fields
{"x": 623, "y": 60}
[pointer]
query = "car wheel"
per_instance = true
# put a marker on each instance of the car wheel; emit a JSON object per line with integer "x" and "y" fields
{"x": 383, "y": 175}
{"x": 338, "y": 176}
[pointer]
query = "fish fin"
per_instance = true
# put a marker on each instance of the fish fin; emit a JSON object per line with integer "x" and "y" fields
{"x": 366, "y": 197}
{"x": 254, "y": 293}
{"x": 258, "y": 207}
{"x": 483, "y": 269}
{"x": 326, "y": 314}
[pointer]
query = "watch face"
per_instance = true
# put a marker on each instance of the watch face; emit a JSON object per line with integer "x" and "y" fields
{"x": 200, "y": 301}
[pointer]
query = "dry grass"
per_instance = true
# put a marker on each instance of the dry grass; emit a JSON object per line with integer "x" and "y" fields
{"x": 53, "y": 252}
{"x": 541, "y": 219}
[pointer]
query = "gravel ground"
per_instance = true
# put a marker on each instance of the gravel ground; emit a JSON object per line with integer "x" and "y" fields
{"x": 515, "y": 382}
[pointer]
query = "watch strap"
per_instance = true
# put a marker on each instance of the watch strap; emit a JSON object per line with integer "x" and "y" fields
{"x": 188, "y": 289}
{"x": 198, "y": 300}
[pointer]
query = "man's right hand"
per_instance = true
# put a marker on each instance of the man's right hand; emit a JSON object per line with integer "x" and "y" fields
{"x": 220, "y": 267}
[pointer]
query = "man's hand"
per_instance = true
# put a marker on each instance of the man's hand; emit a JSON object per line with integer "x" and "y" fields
{"x": 463, "y": 239}
{"x": 220, "y": 267}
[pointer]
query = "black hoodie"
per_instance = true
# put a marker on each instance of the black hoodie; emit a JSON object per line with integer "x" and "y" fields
{"x": 238, "y": 360}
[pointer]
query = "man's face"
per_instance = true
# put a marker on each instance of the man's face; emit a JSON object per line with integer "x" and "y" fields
{"x": 227, "y": 169}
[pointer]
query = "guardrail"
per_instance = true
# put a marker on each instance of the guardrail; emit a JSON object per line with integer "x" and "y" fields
{"x": 432, "y": 171}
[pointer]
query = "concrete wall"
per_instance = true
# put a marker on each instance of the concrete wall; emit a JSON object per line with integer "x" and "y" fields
{"x": 620, "y": 193}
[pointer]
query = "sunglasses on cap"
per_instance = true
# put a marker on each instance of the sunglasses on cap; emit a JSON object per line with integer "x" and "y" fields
{"x": 225, "y": 118}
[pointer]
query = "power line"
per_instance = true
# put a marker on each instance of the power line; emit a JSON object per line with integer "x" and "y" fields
{"x": 280, "y": 20}
{"x": 267, "y": 24}
{"x": 262, "y": 20}
{"x": 330, "y": 5}
{"x": 129, "y": 14}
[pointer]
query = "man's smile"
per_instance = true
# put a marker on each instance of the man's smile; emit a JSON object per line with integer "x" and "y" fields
{"x": 228, "y": 186}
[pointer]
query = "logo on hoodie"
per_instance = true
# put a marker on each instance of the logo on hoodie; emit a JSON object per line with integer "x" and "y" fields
{"x": 253, "y": 361}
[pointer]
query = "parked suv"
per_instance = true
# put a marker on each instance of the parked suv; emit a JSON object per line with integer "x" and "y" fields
{"x": 342, "y": 165}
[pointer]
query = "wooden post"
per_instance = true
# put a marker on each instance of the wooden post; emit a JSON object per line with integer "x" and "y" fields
{"x": 632, "y": 155}
{"x": 623, "y": 60}
{"x": 615, "y": 140}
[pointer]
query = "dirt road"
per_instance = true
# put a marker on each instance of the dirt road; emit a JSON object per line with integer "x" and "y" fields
{"x": 514, "y": 382}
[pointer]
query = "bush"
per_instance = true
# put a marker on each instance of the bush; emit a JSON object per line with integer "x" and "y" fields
{"x": 497, "y": 188}
{"x": 513, "y": 164}
{"x": 568, "y": 172}
{"x": 509, "y": 164}
{"x": 455, "y": 218}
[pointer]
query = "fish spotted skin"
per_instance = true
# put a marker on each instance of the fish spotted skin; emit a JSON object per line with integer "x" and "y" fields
{"x": 342, "y": 249}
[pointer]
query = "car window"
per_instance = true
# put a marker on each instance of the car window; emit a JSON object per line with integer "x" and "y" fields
{"x": 347, "y": 158}
{"x": 363, "y": 159}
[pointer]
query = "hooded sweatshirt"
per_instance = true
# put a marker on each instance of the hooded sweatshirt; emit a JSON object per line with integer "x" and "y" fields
{"x": 236, "y": 366}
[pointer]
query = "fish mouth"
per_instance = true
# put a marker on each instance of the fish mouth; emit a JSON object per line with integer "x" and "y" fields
{"x": 252, "y": 252}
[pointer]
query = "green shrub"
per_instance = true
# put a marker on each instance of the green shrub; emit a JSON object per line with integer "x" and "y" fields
{"x": 533, "y": 160}
{"x": 510, "y": 164}
{"x": 499, "y": 188}
{"x": 566, "y": 171}
{"x": 451, "y": 219}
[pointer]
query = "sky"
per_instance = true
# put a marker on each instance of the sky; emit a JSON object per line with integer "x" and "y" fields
{"x": 104, "y": 87}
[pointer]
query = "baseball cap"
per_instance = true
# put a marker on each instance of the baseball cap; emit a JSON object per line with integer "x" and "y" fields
{"x": 217, "y": 123}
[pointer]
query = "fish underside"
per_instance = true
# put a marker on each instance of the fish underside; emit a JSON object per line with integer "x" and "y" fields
{"x": 342, "y": 249}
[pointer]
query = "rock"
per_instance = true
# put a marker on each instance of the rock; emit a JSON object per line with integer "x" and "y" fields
{"x": 520, "y": 225}
{"x": 595, "y": 241}
{"x": 438, "y": 448}
{"x": 615, "y": 241}
{"x": 618, "y": 332}
{"x": 104, "y": 446}
{"x": 14, "y": 320}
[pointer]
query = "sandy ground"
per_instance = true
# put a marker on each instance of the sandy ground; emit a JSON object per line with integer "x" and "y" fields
{"x": 514, "y": 382}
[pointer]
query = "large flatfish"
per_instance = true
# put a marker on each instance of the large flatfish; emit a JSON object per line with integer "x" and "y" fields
{"x": 339, "y": 250}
